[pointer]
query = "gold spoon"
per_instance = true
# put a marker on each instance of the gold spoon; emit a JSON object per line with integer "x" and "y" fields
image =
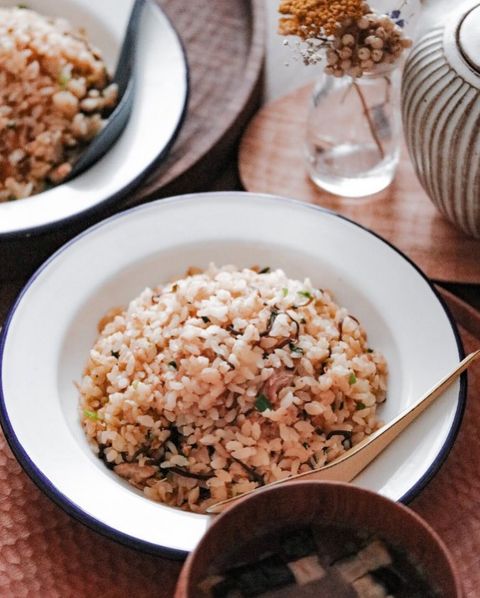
{"x": 350, "y": 464}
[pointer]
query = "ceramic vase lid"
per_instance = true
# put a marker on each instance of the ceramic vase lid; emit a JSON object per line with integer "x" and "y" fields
{"x": 468, "y": 38}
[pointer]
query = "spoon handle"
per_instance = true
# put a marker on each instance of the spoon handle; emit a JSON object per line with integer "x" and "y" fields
{"x": 350, "y": 464}
{"x": 126, "y": 59}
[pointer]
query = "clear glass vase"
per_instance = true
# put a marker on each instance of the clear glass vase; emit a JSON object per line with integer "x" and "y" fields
{"x": 354, "y": 133}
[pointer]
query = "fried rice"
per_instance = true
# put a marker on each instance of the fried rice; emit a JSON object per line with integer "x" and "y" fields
{"x": 222, "y": 381}
{"x": 54, "y": 94}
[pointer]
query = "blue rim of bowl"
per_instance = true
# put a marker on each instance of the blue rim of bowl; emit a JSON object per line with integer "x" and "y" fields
{"x": 99, "y": 207}
{"x": 72, "y": 509}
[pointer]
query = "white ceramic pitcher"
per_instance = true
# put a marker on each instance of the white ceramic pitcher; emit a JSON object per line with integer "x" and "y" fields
{"x": 441, "y": 114}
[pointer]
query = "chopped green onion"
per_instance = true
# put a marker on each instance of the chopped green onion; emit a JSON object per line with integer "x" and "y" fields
{"x": 173, "y": 364}
{"x": 360, "y": 406}
{"x": 265, "y": 270}
{"x": 90, "y": 414}
{"x": 262, "y": 403}
{"x": 285, "y": 292}
{"x": 352, "y": 379}
{"x": 63, "y": 79}
{"x": 115, "y": 354}
{"x": 306, "y": 294}
{"x": 205, "y": 319}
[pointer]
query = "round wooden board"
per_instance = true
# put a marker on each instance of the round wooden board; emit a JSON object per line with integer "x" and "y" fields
{"x": 224, "y": 44}
{"x": 271, "y": 161}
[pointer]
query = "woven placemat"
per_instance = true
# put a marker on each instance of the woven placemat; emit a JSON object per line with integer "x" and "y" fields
{"x": 44, "y": 552}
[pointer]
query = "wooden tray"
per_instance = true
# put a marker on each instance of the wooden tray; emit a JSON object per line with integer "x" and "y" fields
{"x": 271, "y": 161}
{"x": 44, "y": 552}
{"x": 224, "y": 43}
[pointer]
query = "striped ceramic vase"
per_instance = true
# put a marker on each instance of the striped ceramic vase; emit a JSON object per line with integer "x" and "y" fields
{"x": 441, "y": 115}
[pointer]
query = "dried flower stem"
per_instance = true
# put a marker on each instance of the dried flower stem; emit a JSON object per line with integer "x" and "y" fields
{"x": 366, "y": 111}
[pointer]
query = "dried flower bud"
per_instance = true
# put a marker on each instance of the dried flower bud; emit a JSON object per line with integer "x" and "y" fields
{"x": 332, "y": 57}
{"x": 364, "y": 53}
{"x": 377, "y": 43}
{"x": 363, "y": 23}
{"x": 348, "y": 40}
{"x": 346, "y": 53}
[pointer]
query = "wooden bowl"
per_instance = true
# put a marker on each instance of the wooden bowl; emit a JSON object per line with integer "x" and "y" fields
{"x": 304, "y": 503}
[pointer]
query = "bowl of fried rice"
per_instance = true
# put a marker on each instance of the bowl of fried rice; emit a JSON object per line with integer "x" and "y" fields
{"x": 56, "y": 95}
{"x": 204, "y": 346}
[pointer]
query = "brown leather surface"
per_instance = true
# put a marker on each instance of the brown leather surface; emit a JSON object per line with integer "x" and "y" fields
{"x": 44, "y": 552}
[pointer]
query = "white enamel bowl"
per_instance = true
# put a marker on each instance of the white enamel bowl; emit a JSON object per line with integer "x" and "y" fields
{"x": 159, "y": 107}
{"x": 52, "y": 326}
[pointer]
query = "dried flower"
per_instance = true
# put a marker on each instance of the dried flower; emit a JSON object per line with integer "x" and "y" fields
{"x": 314, "y": 18}
{"x": 356, "y": 40}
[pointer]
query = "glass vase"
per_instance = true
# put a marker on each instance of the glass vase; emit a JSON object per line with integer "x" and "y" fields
{"x": 354, "y": 132}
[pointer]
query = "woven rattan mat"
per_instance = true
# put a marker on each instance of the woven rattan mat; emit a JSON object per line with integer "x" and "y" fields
{"x": 44, "y": 552}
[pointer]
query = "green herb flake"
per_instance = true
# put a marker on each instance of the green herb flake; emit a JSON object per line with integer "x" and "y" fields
{"x": 303, "y": 321}
{"x": 91, "y": 414}
{"x": 352, "y": 379}
{"x": 360, "y": 406}
{"x": 173, "y": 364}
{"x": 22, "y": 6}
{"x": 63, "y": 79}
{"x": 115, "y": 354}
{"x": 306, "y": 294}
{"x": 285, "y": 292}
{"x": 262, "y": 403}
{"x": 369, "y": 350}
{"x": 295, "y": 349}
{"x": 265, "y": 270}
{"x": 205, "y": 319}
{"x": 11, "y": 124}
